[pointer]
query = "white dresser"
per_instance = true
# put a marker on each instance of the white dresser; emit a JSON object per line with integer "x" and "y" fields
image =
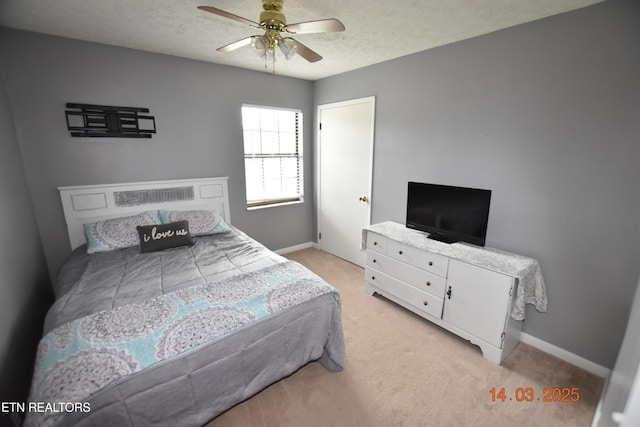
{"x": 457, "y": 287}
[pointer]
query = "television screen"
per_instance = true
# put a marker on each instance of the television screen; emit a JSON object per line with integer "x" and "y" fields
{"x": 449, "y": 214}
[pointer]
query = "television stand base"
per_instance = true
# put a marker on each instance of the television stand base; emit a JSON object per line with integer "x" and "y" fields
{"x": 443, "y": 239}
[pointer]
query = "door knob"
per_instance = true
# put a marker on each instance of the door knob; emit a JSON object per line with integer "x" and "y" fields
{"x": 363, "y": 199}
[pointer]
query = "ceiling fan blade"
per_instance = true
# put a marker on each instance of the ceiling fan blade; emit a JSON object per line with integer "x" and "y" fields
{"x": 321, "y": 26}
{"x": 306, "y": 53}
{"x": 235, "y": 45}
{"x": 219, "y": 12}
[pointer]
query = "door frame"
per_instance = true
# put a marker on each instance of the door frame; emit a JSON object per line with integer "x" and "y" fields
{"x": 371, "y": 100}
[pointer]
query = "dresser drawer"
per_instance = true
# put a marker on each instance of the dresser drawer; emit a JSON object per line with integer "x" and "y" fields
{"x": 422, "y": 301}
{"x": 378, "y": 243}
{"x": 434, "y": 263}
{"x": 418, "y": 278}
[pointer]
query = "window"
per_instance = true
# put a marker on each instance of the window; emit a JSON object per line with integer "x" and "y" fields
{"x": 272, "y": 155}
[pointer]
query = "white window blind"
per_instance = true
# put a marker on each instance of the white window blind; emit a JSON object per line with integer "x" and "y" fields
{"x": 272, "y": 155}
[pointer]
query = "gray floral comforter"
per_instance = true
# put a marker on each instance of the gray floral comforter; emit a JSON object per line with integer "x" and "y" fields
{"x": 88, "y": 356}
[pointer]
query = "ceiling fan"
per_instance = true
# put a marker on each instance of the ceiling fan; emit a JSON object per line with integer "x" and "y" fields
{"x": 274, "y": 24}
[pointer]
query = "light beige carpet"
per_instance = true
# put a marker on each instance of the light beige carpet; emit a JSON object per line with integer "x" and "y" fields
{"x": 402, "y": 370}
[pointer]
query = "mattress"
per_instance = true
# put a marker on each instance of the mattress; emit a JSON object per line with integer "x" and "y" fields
{"x": 177, "y": 337}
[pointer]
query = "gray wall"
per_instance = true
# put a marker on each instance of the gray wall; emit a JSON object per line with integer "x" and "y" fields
{"x": 197, "y": 110}
{"x": 24, "y": 282}
{"x": 547, "y": 115}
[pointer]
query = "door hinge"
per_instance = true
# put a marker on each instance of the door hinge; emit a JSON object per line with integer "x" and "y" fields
{"x": 502, "y": 335}
{"x": 319, "y": 236}
{"x": 511, "y": 291}
{"x": 320, "y": 126}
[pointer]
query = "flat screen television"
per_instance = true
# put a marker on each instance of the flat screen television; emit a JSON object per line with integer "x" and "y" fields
{"x": 449, "y": 214}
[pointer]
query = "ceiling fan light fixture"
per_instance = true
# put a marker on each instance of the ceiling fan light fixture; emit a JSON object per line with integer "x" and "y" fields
{"x": 260, "y": 45}
{"x": 288, "y": 47}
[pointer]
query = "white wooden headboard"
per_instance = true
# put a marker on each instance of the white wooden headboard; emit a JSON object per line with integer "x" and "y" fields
{"x": 90, "y": 203}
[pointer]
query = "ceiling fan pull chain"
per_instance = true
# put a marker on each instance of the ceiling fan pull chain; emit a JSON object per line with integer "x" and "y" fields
{"x": 273, "y": 63}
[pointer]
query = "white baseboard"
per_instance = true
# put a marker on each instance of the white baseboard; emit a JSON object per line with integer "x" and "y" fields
{"x": 296, "y": 248}
{"x": 565, "y": 355}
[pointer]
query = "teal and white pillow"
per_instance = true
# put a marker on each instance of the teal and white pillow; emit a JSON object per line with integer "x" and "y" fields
{"x": 117, "y": 233}
{"x": 201, "y": 222}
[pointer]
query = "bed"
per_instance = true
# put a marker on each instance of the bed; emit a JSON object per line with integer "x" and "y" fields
{"x": 172, "y": 331}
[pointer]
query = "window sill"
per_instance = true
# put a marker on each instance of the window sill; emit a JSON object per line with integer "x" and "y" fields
{"x": 275, "y": 205}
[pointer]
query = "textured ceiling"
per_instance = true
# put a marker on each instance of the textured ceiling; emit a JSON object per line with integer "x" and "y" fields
{"x": 376, "y": 31}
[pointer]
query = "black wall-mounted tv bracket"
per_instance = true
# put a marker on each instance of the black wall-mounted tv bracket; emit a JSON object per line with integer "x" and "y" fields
{"x": 88, "y": 120}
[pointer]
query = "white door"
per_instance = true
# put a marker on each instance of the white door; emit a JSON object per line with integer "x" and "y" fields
{"x": 345, "y": 159}
{"x": 477, "y": 301}
{"x": 620, "y": 401}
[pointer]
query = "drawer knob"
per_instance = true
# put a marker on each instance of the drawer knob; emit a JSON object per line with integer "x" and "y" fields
{"x": 375, "y": 243}
{"x": 373, "y": 277}
{"x": 400, "y": 252}
{"x": 428, "y": 283}
{"x": 430, "y": 262}
{"x": 374, "y": 261}
{"x": 425, "y": 303}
